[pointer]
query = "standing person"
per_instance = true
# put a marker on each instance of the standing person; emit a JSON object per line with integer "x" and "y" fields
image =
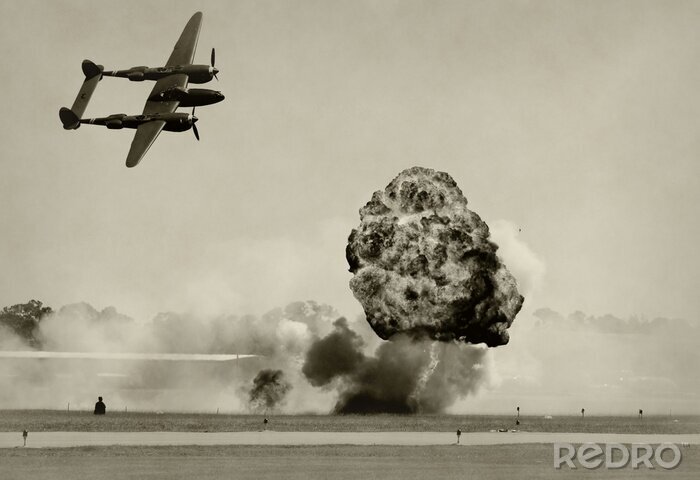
{"x": 265, "y": 423}
{"x": 641, "y": 412}
{"x": 100, "y": 407}
{"x": 583, "y": 412}
{"x": 459, "y": 434}
{"x": 25, "y": 434}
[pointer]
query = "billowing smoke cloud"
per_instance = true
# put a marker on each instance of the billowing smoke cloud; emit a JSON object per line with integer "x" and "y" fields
{"x": 269, "y": 389}
{"x": 281, "y": 337}
{"x": 424, "y": 264}
{"x": 406, "y": 375}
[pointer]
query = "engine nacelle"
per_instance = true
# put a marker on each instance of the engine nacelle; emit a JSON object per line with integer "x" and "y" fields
{"x": 135, "y": 76}
{"x": 114, "y": 124}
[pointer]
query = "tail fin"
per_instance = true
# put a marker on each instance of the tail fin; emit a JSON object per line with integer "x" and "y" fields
{"x": 91, "y": 70}
{"x": 70, "y": 120}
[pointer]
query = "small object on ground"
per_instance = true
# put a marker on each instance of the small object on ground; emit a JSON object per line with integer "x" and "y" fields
{"x": 100, "y": 407}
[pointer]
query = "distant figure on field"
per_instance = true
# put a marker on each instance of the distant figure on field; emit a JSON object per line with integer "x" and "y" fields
{"x": 641, "y": 412}
{"x": 265, "y": 423}
{"x": 459, "y": 434}
{"x": 517, "y": 422}
{"x": 583, "y": 412}
{"x": 25, "y": 434}
{"x": 100, "y": 407}
{"x": 518, "y": 409}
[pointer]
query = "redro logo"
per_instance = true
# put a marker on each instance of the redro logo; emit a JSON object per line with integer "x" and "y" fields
{"x": 593, "y": 455}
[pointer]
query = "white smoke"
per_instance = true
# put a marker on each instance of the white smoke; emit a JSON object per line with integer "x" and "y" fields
{"x": 281, "y": 337}
{"x": 525, "y": 265}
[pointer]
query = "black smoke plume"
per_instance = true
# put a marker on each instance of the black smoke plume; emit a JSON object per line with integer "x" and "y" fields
{"x": 269, "y": 389}
{"x": 339, "y": 353}
{"x": 424, "y": 264}
{"x": 406, "y": 374}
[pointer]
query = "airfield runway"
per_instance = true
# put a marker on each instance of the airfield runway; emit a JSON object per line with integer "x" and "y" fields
{"x": 75, "y": 439}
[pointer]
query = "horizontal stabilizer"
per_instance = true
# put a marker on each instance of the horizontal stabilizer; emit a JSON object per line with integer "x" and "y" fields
{"x": 70, "y": 120}
{"x": 84, "y": 95}
{"x": 91, "y": 70}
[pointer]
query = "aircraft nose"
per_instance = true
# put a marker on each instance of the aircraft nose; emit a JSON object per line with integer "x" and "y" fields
{"x": 215, "y": 70}
{"x": 220, "y": 95}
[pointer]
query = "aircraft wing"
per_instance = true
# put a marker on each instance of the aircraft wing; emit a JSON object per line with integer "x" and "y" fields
{"x": 146, "y": 134}
{"x": 183, "y": 53}
{"x": 172, "y": 357}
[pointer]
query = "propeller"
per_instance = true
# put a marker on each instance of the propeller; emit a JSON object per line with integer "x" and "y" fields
{"x": 194, "y": 127}
{"x": 213, "y": 61}
{"x": 196, "y": 133}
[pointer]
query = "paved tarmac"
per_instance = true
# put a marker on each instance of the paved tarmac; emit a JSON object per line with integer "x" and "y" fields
{"x": 75, "y": 439}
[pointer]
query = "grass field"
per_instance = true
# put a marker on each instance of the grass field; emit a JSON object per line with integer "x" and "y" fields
{"x": 341, "y": 462}
{"x": 302, "y": 462}
{"x": 51, "y": 420}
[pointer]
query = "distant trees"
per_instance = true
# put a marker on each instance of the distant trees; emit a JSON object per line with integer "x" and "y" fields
{"x": 22, "y": 320}
{"x": 547, "y": 318}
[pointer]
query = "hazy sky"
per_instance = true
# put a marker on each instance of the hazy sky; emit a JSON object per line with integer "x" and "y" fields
{"x": 577, "y": 122}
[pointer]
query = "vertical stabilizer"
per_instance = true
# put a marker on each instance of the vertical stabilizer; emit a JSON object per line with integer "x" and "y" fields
{"x": 68, "y": 118}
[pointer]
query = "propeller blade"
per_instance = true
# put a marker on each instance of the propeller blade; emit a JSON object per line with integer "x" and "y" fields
{"x": 217, "y": 78}
{"x": 194, "y": 127}
{"x": 213, "y": 57}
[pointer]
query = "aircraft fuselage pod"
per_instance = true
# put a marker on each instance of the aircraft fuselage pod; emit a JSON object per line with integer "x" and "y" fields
{"x": 188, "y": 97}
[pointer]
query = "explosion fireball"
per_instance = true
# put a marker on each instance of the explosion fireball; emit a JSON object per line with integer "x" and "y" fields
{"x": 424, "y": 265}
